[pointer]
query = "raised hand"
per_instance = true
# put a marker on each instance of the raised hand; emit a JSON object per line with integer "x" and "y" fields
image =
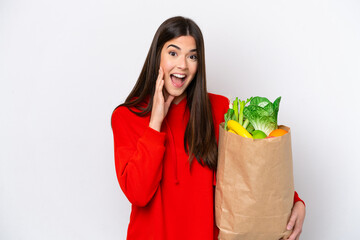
{"x": 160, "y": 107}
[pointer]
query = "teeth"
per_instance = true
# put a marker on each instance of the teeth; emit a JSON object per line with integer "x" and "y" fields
{"x": 179, "y": 75}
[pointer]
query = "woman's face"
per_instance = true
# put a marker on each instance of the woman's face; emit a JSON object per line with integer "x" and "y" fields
{"x": 179, "y": 63}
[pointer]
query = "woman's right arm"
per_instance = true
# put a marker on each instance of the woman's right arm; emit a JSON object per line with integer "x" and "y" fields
{"x": 139, "y": 152}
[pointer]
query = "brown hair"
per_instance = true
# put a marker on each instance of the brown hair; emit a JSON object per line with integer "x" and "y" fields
{"x": 199, "y": 139}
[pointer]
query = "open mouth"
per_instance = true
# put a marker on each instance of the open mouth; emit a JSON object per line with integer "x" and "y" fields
{"x": 178, "y": 80}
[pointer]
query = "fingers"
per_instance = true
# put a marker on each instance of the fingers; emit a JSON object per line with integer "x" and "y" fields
{"x": 291, "y": 225}
{"x": 158, "y": 94}
{"x": 168, "y": 102}
{"x": 296, "y": 225}
{"x": 295, "y": 235}
{"x": 296, "y": 221}
{"x": 158, "y": 112}
{"x": 292, "y": 221}
{"x": 160, "y": 87}
{"x": 159, "y": 80}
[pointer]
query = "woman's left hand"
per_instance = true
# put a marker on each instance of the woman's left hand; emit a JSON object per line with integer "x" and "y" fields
{"x": 296, "y": 220}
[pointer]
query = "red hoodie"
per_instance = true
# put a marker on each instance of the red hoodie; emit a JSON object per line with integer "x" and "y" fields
{"x": 170, "y": 199}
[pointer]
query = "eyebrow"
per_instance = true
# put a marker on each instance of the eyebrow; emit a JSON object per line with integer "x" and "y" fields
{"x": 172, "y": 45}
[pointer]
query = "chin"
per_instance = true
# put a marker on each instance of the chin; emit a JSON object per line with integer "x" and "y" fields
{"x": 174, "y": 92}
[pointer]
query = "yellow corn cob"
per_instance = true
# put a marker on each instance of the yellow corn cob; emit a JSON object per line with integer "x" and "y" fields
{"x": 238, "y": 129}
{"x": 232, "y": 131}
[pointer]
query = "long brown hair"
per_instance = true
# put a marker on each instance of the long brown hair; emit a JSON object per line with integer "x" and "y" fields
{"x": 199, "y": 139}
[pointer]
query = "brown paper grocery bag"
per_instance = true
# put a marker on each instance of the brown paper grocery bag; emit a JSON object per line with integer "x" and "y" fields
{"x": 254, "y": 187}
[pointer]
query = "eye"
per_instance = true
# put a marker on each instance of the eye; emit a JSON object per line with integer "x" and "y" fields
{"x": 193, "y": 57}
{"x": 172, "y": 53}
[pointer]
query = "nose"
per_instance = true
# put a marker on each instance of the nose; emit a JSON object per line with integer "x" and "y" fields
{"x": 181, "y": 63}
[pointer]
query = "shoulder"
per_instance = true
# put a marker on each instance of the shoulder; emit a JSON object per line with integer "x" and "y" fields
{"x": 127, "y": 126}
{"x": 128, "y": 113}
{"x": 218, "y": 102}
{"x": 123, "y": 118}
{"x": 120, "y": 115}
{"x": 121, "y": 112}
{"x": 218, "y": 99}
{"x": 219, "y": 106}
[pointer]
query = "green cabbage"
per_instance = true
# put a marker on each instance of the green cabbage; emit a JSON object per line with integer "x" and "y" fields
{"x": 262, "y": 114}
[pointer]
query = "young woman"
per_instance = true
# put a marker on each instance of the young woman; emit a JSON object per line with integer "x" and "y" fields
{"x": 165, "y": 137}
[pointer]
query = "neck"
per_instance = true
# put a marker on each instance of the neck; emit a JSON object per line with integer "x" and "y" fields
{"x": 178, "y": 99}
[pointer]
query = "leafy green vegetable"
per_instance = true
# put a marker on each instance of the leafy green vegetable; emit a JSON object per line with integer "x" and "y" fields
{"x": 241, "y": 120}
{"x": 262, "y": 114}
{"x": 236, "y": 109}
{"x": 250, "y": 128}
{"x": 246, "y": 123}
{"x": 228, "y": 116}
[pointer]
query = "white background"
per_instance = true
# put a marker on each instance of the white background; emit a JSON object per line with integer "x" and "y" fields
{"x": 65, "y": 65}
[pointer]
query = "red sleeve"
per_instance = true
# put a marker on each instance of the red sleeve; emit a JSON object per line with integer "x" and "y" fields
{"x": 297, "y": 198}
{"x": 139, "y": 152}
